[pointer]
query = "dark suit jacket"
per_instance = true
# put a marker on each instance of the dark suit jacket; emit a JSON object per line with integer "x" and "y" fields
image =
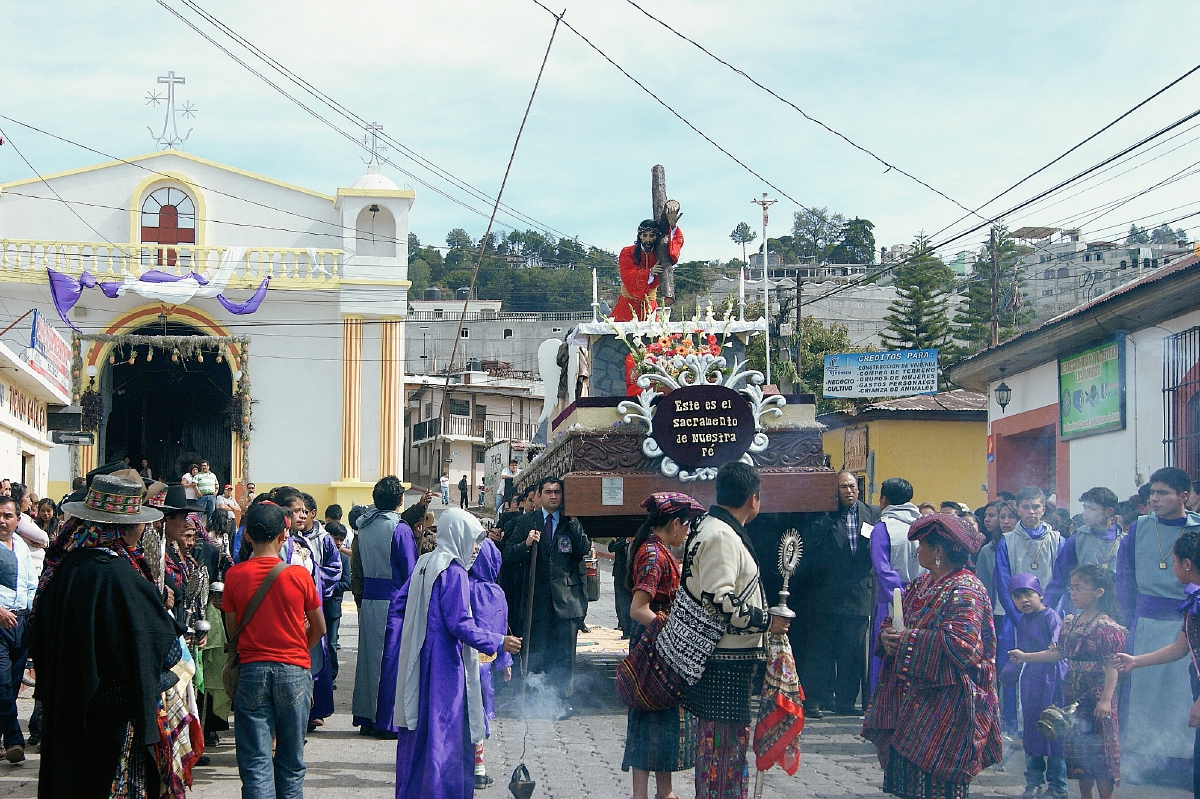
{"x": 558, "y": 583}
{"x": 833, "y": 579}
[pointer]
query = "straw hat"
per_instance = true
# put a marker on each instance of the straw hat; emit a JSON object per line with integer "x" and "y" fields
{"x": 113, "y": 500}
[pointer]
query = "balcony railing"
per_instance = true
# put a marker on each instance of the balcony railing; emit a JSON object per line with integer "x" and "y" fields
{"x": 24, "y": 259}
{"x": 465, "y": 427}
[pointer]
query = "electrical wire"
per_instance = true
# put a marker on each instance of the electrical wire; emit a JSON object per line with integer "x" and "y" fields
{"x": 672, "y": 111}
{"x": 360, "y": 121}
{"x": 798, "y": 109}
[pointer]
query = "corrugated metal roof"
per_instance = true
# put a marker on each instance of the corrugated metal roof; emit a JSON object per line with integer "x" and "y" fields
{"x": 957, "y": 400}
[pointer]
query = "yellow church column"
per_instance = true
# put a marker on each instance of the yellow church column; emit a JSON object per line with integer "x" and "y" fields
{"x": 391, "y": 399}
{"x": 352, "y": 334}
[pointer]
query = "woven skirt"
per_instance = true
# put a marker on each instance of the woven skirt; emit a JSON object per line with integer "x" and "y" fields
{"x": 660, "y": 741}
{"x": 904, "y": 779}
{"x": 723, "y": 692}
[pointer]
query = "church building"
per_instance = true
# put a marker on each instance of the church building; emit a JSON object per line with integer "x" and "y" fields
{"x": 215, "y": 314}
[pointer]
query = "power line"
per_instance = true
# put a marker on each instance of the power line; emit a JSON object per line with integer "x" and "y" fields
{"x": 798, "y": 109}
{"x": 673, "y": 112}
{"x": 1072, "y": 149}
{"x": 358, "y": 120}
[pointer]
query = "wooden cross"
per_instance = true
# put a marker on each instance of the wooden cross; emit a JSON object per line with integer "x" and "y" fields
{"x": 658, "y": 202}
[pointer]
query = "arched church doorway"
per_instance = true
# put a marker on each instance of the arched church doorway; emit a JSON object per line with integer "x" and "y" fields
{"x": 172, "y": 412}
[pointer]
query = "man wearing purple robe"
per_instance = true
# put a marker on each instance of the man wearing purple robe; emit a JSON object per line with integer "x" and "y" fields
{"x": 439, "y": 707}
{"x": 491, "y": 613}
{"x": 893, "y": 556}
{"x": 385, "y": 551}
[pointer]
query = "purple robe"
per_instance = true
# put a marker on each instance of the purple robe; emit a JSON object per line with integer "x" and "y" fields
{"x": 388, "y": 551}
{"x": 490, "y": 610}
{"x": 437, "y": 759}
{"x": 322, "y": 706}
{"x": 1041, "y": 683}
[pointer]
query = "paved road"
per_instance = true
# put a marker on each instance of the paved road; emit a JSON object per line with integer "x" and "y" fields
{"x": 576, "y": 757}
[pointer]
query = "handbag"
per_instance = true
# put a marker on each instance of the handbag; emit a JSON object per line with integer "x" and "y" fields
{"x": 233, "y": 663}
{"x": 644, "y": 681}
{"x": 689, "y": 636}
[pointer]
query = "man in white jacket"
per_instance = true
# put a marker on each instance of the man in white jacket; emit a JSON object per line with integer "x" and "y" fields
{"x": 722, "y": 571}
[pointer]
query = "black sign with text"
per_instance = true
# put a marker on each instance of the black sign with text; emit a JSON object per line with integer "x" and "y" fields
{"x": 703, "y": 425}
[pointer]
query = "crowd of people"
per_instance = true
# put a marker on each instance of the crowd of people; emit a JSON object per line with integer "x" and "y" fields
{"x": 154, "y": 620}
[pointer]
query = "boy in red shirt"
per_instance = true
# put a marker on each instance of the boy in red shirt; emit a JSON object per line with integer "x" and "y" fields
{"x": 274, "y": 691}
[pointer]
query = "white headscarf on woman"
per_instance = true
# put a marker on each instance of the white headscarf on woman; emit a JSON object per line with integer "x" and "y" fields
{"x": 458, "y": 534}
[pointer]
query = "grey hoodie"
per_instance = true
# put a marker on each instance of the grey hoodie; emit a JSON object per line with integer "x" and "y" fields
{"x": 896, "y": 519}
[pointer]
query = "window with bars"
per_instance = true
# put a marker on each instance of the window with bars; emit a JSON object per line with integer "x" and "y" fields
{"x": 1181, "y": 400}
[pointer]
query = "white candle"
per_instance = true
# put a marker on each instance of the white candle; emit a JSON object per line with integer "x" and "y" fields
{"x": 742, "y": 294}
{"x": 595, "y": 295}
{"x": 897, "y": 610}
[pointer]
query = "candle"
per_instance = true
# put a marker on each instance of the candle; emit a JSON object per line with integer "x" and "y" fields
{"x": 897, "y": 610}
{"x": 595, "y": 294}
{"x": 742, "y": 293}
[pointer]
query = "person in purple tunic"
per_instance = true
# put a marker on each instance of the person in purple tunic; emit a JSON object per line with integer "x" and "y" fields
{"x": 491, "y": 613}
{"x": 1037, "y": 629}
{"x": 439, "y": 704}
{"x": 1097, "y": 541}
{"x": 893, "y": 556}
{"x": 384, "y": 553}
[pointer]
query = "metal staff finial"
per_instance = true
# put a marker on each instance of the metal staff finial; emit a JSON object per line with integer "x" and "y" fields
{"x": 791, "y": 549}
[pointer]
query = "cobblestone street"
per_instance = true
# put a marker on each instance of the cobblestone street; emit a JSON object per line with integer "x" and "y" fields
{"x": 576, "y": 757}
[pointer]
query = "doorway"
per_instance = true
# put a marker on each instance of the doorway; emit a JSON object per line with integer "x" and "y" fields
{"x": 173, "y": 413}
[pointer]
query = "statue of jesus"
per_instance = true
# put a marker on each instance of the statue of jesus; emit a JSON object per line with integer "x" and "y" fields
{"x": 641, "y": 269}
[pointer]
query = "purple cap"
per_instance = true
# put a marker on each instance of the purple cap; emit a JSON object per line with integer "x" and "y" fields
{"x": 1020, "y": 582}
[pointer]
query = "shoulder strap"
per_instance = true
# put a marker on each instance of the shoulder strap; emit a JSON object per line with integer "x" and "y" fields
{"x": 258, "y": 597}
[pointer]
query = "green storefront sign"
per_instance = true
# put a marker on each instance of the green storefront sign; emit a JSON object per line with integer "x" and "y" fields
{"x": 1091, "y": 391}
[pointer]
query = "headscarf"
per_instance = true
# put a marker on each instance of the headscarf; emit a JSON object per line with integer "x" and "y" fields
{"x": 953, "y": 529}
{"x": 458, "y": 533}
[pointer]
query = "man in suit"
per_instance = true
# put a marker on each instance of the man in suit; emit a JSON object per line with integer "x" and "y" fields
{"x": 838, "y": 588}
{"x": 559, "y": 600}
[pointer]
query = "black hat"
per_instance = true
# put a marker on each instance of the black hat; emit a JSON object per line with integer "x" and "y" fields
{"x": 177, "y": 500}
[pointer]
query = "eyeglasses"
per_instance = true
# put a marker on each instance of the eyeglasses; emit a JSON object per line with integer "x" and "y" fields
{"x": 1075, "y": 589}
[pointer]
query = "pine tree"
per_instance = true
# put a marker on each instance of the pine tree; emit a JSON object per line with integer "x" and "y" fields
{"x": 918, "y": 318}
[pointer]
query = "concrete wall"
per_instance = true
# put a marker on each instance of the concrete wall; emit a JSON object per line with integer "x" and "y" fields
{"x": 512, "y": 340}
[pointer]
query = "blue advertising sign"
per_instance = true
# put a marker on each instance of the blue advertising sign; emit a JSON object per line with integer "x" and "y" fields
{"x": 900, "y": 373}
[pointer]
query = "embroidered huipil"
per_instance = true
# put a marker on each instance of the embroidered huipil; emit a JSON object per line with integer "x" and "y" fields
{"x": 935, "y": 704}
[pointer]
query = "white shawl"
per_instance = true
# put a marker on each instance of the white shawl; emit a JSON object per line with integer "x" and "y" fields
{"x": 458, "y": 534}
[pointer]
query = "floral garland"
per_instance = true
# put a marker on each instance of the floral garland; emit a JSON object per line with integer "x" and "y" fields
{"x": 92, "y": 406}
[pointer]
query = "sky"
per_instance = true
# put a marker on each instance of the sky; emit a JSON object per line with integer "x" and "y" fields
{"x": 968, "y": 97}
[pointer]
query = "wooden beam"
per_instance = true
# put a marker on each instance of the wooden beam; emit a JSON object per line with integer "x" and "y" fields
{"x": 782, "y": 492}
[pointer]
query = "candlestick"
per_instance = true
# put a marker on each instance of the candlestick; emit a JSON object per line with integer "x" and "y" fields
{"x": 897, "y": 610}
{"x": 595, "y": 296}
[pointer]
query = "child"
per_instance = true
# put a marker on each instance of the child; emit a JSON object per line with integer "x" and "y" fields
{"x": 1090, "y": 642}
{"x": 1037, "y": 630}
{"x": 491, "y": 614}
{"x": 218, "y": 705}
{"x": 1186, "y": 557}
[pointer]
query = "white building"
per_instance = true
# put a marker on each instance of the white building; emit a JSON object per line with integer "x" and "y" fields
{"x": 483, "y": 410}
{"x": 1099, "y": 396}
{"x": 307, "y": 390}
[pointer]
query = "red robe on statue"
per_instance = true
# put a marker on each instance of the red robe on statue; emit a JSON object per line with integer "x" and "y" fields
{"x": 639, "y": 290}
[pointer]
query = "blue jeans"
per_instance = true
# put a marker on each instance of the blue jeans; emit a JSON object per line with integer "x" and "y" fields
{"x": 1050, "y": 769}
{"x": 446, "y": 495}
{"x": 14, "y": 650}
{"x": 272, "y": 701}
{"x": 209, "y": 501}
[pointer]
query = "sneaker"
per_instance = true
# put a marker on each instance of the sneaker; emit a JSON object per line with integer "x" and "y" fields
{"x": 1055, "y": 793}
{"x": 15, "y": 754}
{"x": 1032, "y": 792}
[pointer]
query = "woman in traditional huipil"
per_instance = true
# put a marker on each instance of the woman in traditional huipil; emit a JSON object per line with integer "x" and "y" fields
{"x": 934, "y": 717}
{"x": 660, "y": 741}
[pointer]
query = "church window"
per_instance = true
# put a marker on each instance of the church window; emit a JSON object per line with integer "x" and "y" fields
{"x": 169, "y": 217}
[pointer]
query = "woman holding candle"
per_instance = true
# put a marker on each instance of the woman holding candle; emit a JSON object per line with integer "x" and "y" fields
{"x": 934, "y": 716}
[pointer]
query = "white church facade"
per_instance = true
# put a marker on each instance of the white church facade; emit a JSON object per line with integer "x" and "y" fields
{"x": 181, "y": 354}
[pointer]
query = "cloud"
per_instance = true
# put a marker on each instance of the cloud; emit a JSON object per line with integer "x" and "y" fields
{"x": 968, "y": 98}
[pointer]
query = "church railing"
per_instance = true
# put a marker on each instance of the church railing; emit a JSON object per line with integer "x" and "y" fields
{"x": 23, "y": 260}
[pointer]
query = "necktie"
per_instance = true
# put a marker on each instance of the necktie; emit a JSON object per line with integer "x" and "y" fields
{"x": 548, "y": 536}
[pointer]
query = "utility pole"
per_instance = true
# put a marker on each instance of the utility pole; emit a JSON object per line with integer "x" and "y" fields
{"x": 765, "y": 203}
{"x": 994, "y": 333}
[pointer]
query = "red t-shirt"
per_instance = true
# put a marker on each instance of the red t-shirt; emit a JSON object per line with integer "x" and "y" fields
{"x": 276, "y": 633}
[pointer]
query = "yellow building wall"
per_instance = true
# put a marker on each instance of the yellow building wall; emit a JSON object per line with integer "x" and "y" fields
{"x": 943, "y": 460}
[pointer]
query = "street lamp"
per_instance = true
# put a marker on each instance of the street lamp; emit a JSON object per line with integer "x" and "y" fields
{"x": 1003, "y": 393}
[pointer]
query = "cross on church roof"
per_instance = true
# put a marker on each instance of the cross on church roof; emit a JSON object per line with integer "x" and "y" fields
{"x": 168, "y": 137}
{"x": 376, "y": 147}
